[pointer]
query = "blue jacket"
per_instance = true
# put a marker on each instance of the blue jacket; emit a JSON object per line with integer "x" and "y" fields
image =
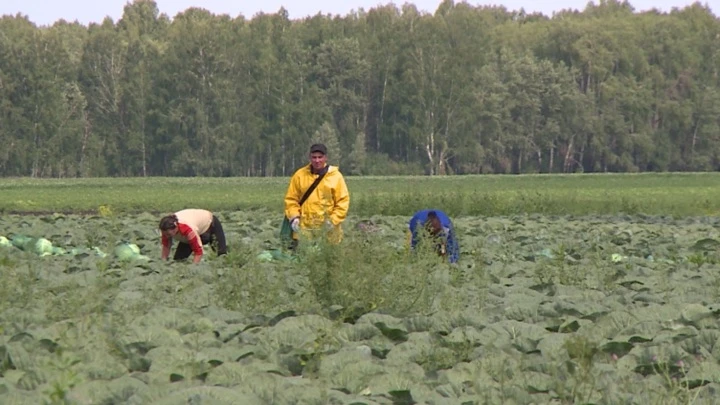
{"x": 416, "y": 225}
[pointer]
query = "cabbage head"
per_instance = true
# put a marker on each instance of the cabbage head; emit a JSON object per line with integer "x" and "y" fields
{"x": 125, "y": 252}
{"x": 134, "y": 248}
{"x": 129, "y": 251}
{"x": 43, "y": 247}
{"x": 20, "y": 241}
{"x": 265, "y": 256}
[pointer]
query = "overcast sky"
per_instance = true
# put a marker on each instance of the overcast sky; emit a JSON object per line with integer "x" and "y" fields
{"x": 46, "y": 12}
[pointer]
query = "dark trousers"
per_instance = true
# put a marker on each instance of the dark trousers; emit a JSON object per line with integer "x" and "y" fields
{"x": 214, "y": 234}
{"x": 293, "y": 245}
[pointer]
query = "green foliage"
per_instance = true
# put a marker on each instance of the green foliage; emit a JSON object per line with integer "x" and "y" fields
{"x": 359, "y": 275}
{"x": 363, "y": 274}
{"x": 68, "y": 377}
{"x": 620, "y": 316}
{"x": 358, "y": 156}
{"x": 561, "y": 265}
{"x": 465, "y": 90}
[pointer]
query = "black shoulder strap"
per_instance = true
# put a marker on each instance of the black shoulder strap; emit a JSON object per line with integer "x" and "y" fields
{"x": 313, "y": 186}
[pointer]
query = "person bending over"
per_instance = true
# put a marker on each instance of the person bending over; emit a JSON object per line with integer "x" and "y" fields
{"x": 436, "y": 226}
{"x": 191, "y": 228}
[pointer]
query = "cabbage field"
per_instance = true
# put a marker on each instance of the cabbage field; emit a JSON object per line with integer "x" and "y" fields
{"x": 541, "y": 309}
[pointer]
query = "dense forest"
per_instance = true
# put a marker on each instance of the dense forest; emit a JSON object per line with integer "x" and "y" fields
{"x": 390, "y": 90}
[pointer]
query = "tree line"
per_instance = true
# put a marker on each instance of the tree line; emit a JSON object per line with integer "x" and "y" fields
{"x": 390, "y": 90}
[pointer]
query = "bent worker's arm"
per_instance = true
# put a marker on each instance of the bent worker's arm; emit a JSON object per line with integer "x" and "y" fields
{"x": 196, "y": 247}
{"x": 342, "y": 202}
{"x": 412, "y": 237}
{"x": 165, "y": 241}
{"x": 453, "y": 249}
{"x": 411, "y": 240}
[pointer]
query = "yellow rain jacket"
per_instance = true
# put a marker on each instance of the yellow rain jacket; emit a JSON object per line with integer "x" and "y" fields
{"x": 329, "y": 201}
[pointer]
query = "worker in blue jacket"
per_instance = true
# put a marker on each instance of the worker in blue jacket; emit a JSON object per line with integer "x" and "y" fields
{"x": 439, "y": 228}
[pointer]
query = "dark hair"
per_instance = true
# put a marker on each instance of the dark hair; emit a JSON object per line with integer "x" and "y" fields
{"x": 168, "y": 222}
{"x": 432, "y": 223}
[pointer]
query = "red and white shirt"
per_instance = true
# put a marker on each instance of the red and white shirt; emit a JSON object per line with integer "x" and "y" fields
{"x": 191, "y": 224}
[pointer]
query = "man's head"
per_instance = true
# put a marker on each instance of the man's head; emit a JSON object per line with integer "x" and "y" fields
{"x": 434, "y": 227}
{"x": 318, "y": 156}
{"x": 433, "y": 224}
{"x": 169, "y": 226}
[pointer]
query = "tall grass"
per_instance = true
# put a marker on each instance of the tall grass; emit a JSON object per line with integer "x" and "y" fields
{"x": 364, "y": 273}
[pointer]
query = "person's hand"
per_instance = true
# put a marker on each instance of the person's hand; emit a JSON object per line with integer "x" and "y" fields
{"x": 295, "y": 224}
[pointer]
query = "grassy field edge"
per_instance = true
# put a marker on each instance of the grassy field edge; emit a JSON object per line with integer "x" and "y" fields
{"x": 673, "y": 194}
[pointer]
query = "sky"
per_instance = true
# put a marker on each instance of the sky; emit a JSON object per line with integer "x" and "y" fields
{"x": 46, "y": 12}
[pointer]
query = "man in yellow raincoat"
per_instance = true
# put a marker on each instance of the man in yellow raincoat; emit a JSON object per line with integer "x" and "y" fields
{"x": 326, "y": 206}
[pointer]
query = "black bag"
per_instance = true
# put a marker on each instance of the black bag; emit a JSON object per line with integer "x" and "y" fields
{"x": 285, "y": 229}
